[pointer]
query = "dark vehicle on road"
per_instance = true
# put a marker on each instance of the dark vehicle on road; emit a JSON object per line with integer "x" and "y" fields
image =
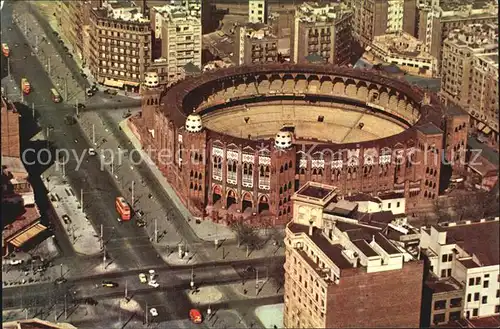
{"x": 60, "y": 281}
{"x": 109, "y": 284}
{"x": 139, "y": 214}
{"x": 140, "y": 223}
{"x": 111, "y": 92}
{"x": 66, "y": 219}
{"x": 80, "y": 106}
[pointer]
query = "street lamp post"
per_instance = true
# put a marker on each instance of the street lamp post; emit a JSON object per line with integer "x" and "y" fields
{"x": 156, "y": 230}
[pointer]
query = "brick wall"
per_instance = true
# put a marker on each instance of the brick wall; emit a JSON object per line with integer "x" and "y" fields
{"x": 384, "y": 299}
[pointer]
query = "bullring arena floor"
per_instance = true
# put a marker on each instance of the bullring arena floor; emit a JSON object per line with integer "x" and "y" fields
{"x": 338, "y": 126}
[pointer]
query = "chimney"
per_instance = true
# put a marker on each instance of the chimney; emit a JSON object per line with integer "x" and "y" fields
{"x": 311, "y": 228}
{"x": 144, "y": 12}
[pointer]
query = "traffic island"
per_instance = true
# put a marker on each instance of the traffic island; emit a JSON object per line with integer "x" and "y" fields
{"x": 204, "y": 295}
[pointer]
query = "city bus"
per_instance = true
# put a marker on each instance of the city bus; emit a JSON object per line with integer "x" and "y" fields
{"x": 56, "y": 98}
{"x": 122, "y": 208}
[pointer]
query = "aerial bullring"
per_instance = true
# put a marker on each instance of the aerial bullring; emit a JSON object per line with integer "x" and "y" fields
{"x": 245, "y": 138}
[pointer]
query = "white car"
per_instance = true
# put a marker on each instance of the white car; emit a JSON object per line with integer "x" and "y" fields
{"x": 142, "y": 278}
{"x": 16, "y": 261}
{"x": 153, "y": 311}
{"x": 91, "y": 151}
{"x": 153, "y": 284}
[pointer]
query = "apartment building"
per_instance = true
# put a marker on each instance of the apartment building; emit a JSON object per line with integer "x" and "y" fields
{"x": 436, "y": 19}
{"x": 377, "y": 17}
{"x": 10, "y": 129}
{"x": 405, "y": 51}
{"x": 255, "y": 43}
{"x": 340, "y": 272}
{"x": 257, "y": 11}
{"x": 120, "y": 39}
{"x": 177, "y": 33}
{"x": 470, "y": 73}
{"x": 468, "y": 253}
{"x": 324, "y": 30}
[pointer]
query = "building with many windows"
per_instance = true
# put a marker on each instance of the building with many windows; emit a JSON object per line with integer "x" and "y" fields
{"x": 466, "y": 253}
{"x": 255, "y": 43}
{"x": 435, "y": 20}
{"x": 324, "y": 30}
{"x": 470, "y": 73}
{"x": 257, "y": 11}
{"x": 403, "y": 50}
{"x": 342, "y": 273}
{"x": 177, "y": 36}
{"x": 377, "y": 17}
{"x": 120, "y": 39}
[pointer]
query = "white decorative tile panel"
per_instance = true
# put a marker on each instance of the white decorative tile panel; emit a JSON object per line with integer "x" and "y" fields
{"x": 232, "y": 155}
{"x": 248, "y": 158}
{"x": 217, "y": 152}
{"x": 384, "y": 159}
{"x": 266, "y": 161}
{"x": 318, "y": 164}
{"x": 303, "y": 163}
{"x": 337, "y": 164}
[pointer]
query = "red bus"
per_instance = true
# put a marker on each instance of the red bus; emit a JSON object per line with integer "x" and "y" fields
{"x": 195, "y": 316}
{"x": 122, "y": 208}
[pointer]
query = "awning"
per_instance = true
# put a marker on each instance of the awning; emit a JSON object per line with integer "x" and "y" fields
{"x": 131, "y": 83}
{"x": 113, "y": 83}
{"x": 26, "y": 235}
{"x": 486, "y": 130}
{"x": 480, "y": 126}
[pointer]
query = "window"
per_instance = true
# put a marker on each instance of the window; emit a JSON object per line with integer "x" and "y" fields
{"x": 478, "y": 281}
{"x": 484, "y": 300}
{"x": 469, "y": 297}
{"x": 497, "y": 308}
{"x": 443, "y": 273}
{"x": 444, "y": 259}
{"x": 398, "y": 204}
{"x": 448, "y": 272}
{"x": 476, "y": 296}
{"x": 440, "y": 304}
{"x": 389, "y": 205}
{"x": 456, "y": 302}
{"x": 471, "y": 281}
{"x": 455, "y": 316}
{"x": 474, "y": 312}
{"x": 438, "y": 318}
{"x": 498, "y": 293}
{"x": 486, "y": 284}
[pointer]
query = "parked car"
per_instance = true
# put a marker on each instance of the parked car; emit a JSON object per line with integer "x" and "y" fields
{"x": 143, "y": 278}
{"x": 109, "y": 284}
{"x": 60, "y": 281}
{"x": 153, "y": 284}
{"x": 139, "y": 214}
{"x": 80, "y": 106}
{"x": 16, "y": 261}
{"x": 140, "y": 223}
{"x": 153, "y": 311}
{"x": 91, "y": 151}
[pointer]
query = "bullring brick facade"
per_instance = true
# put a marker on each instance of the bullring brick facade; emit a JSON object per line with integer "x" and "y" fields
{"x": 249, "y": 178}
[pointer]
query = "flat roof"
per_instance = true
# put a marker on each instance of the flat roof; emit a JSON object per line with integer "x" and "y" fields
{"x": 469, "y": 263}
{"x": 30, "y": 215}
{"x": 332, "y": 251}
{"x": 365, "y": 248}
{"x": 391, "y": 195}
{"x": 429, "y": 129}
{"x": 315, "y": 191}
{"x": 361, "y": 197}
{"x": 480, "y": 239}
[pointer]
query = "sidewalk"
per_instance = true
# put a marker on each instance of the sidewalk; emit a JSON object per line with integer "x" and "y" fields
{"x": 270, "y": 315}
{"x": 205, "y": 230}
{"x": 66, "y": 204}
